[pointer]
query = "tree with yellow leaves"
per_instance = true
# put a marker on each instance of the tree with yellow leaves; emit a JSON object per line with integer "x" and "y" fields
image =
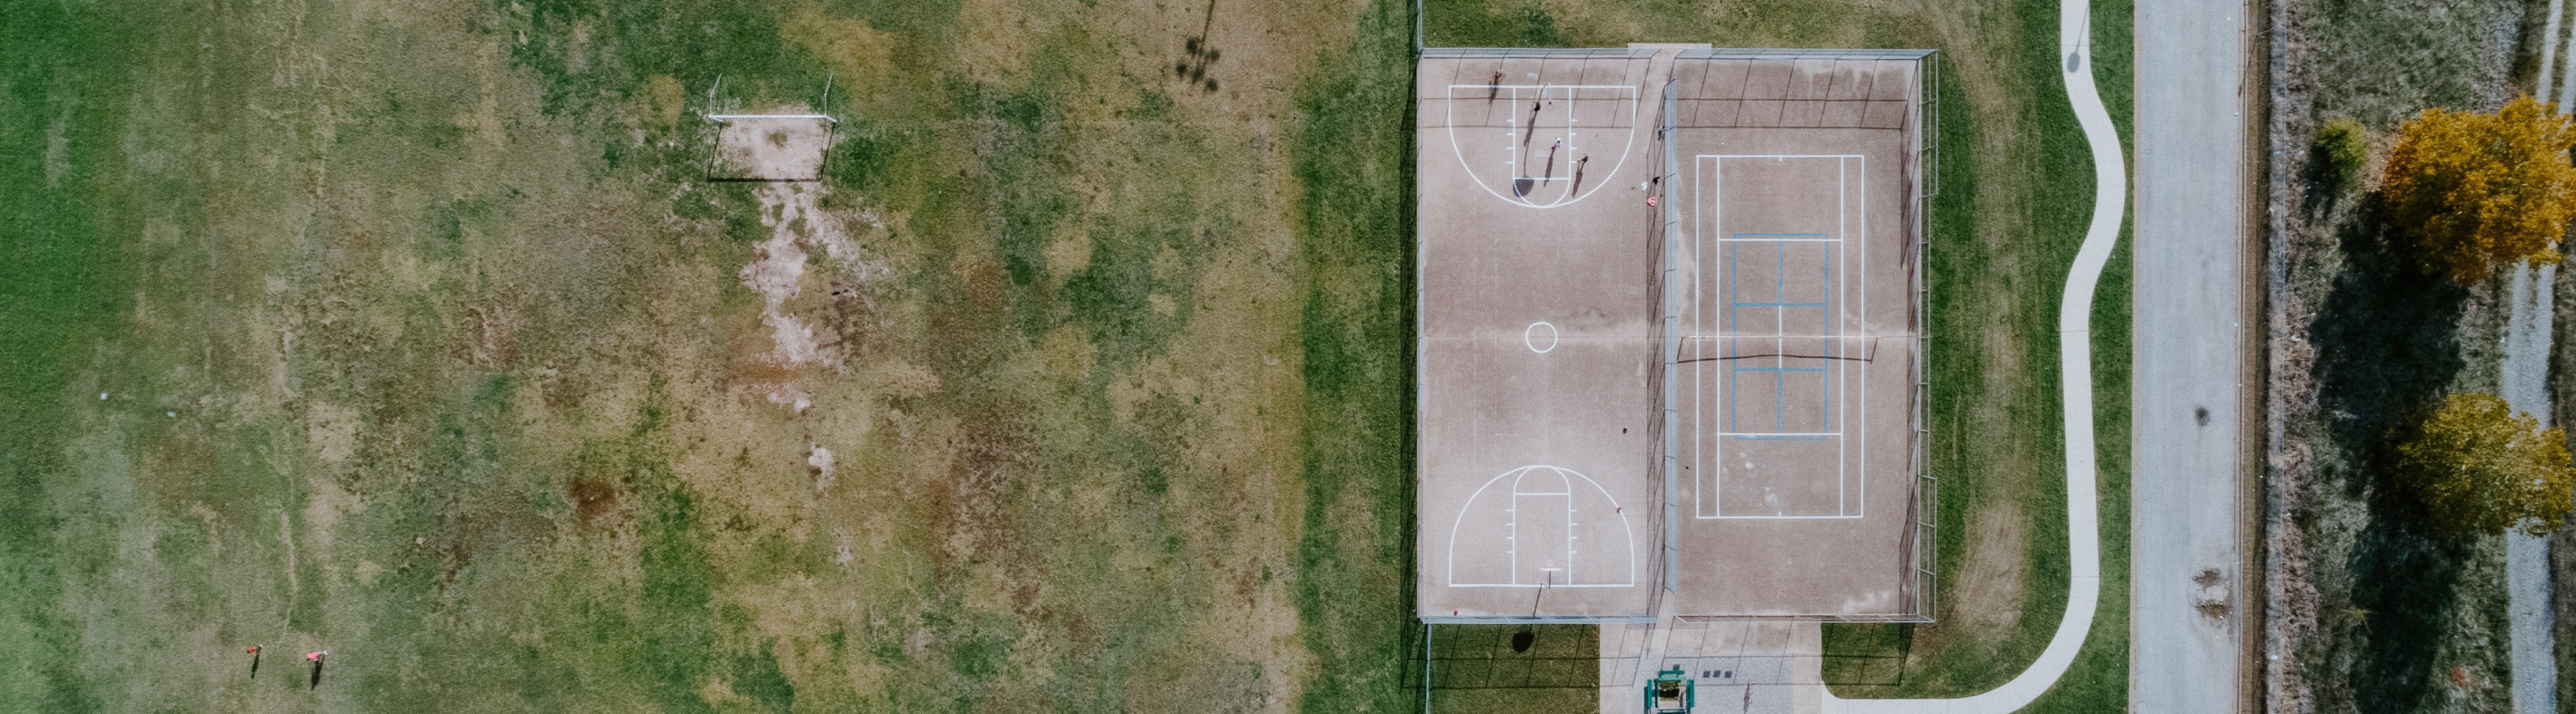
{"x": 2473, "y": 192}
{"x": 2480, "y": 468}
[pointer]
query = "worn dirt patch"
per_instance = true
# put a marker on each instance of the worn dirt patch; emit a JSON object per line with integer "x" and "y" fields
{"x": 776, "y": 148}
{"x": 1993, "y": 578}
{"x": 779, "y": 272}
{"x": 591, "y": 498}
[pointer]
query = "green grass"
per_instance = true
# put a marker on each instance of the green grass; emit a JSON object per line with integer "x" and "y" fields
{"x": 63, "y": 286}
{"x": 1353, "y": 166}
{"x": 1487, "y": 668}
{"x": 1964, "y": 447}
{"x": 467, "y": 384}
{"x": 1121, "y": 413}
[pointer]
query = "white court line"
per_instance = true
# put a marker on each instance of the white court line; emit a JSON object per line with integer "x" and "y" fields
{"x": 1782, "y": 156}
{"x": 1568, "y": 477}
{"x": 1708, "y": 503}
{"x": 730, "y": 117}
{"x": 1805, "y": 337}
{"x": 2075, "y": 389}
{"x": 1629, "y": 94}
{"x": 1777, "y": 240}
{"x": 1529, "y": 337}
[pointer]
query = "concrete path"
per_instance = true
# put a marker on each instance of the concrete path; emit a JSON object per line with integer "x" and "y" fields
{"x": 2186, "y": 627}
{"x": 1739, "y": 667}
{"x": 2075, "y": 365}
{"x": 2526, "y": 388}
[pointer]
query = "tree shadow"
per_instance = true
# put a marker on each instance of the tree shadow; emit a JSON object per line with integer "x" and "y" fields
{"x": 2323, "y": 184}
{"x": 2387, "y": 341}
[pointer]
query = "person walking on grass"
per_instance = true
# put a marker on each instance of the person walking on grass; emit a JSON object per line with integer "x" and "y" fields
{"x": 316, "y": 658}
{"x": 254, "y": 661}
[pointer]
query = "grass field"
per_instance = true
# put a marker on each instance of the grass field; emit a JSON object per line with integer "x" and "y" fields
{"x": 422, "y": 339}
{"x": 2014, "y": 200}
{"x": 2380, "y": 615}
{"x": 416, "y": 334}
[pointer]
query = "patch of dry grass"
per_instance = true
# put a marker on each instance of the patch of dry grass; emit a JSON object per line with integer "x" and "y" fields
{"x": 2377, "y": 615}
{"x": 474, "y": 389}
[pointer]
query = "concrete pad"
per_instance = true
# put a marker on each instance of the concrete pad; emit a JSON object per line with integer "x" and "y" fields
{"x": 1546, "y": 283}
{"x": 1796, "y": 275}
{"x": 1538, "y": 314}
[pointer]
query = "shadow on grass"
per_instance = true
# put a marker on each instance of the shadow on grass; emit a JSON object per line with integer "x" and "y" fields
{"x": 1867, "y": 655}
{"x": 2324, "y": 184}
{"x": 1508, "y": 669}
{"x": 2387, "y": 344}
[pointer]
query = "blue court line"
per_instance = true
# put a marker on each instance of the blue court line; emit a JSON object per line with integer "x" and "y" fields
{"x": 1779, "y": 394}
{"x": 1780, "y": 291}
{"x": 1732, "y": 284}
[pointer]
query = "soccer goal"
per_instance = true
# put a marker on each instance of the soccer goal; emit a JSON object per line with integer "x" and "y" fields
{"x": 787, "y": 143}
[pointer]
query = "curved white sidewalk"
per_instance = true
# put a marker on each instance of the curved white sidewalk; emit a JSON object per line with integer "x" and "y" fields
{"x": 2075, "y": 364}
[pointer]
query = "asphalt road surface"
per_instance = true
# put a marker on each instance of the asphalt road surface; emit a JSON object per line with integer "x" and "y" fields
{"x": 2185, "y": 566}
{"x": 2526, "y": 389}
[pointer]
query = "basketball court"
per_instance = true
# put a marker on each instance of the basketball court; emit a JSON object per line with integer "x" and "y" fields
{"x": 1670, "y": 335}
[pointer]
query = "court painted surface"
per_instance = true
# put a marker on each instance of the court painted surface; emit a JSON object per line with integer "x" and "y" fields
{"x": 1669, "y": 335}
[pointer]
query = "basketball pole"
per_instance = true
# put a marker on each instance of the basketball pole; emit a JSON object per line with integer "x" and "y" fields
{"x": 1542, "y": 590}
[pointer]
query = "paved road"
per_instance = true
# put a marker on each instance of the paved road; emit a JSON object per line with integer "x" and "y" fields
{"x": 2185, "y": 633}
{"x": 2075, "y": 388}
{"x": 2526, "y": 389}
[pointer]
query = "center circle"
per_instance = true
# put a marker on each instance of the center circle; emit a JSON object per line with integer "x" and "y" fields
{"x": 1540, "y": 337}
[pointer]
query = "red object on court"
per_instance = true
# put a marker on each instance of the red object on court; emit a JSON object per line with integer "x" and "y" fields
{"x": 1650, "y": 202}
{"x": 252, "y": 649}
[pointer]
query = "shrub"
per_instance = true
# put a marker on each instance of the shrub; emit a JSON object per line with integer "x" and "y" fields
{"x": 2344, "y": 146}
{"x": 2480, "y": 468}
{"x": 2473, "y": 192}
